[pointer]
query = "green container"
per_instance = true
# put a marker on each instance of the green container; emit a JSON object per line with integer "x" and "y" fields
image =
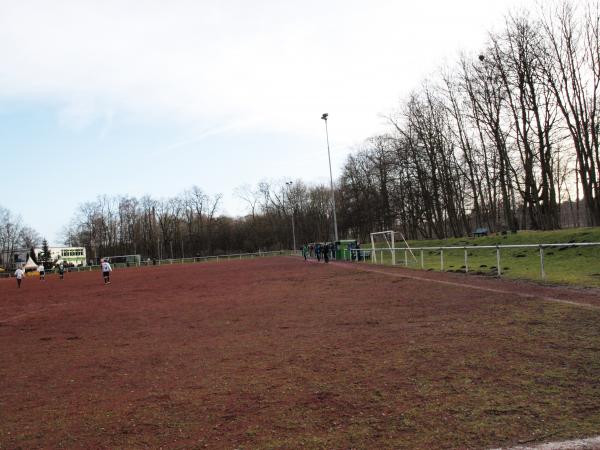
{"x": 343, "y": 246}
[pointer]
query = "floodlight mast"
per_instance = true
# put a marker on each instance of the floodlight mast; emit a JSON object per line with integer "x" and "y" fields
{"x": 335, "y": 228}
{"x": 289, "y": 184}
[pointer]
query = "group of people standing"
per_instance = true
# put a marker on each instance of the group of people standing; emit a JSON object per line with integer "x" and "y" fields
{"x": 41, "y": 270}
{"x": 60, "y": 269}
{"x": 319, "y": 250}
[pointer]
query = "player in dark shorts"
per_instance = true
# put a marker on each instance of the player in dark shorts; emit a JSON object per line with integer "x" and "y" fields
{"x": 61, "y": 271}
{"x": 19, "y": 274}
{"x": 106, "y": 270}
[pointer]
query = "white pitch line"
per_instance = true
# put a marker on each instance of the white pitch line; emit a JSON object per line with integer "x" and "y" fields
{"x": 576, "y": 444}
{"x": 480, "y": 288}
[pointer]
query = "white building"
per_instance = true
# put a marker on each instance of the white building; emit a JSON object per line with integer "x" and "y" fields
{"x": 69, "y": 255}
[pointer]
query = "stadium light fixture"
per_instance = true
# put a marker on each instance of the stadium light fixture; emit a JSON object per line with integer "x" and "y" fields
{"x": 335, "y": 228}
{"x": 289, "y": 185}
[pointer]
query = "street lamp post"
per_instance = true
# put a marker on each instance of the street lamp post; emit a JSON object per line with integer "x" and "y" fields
{"x": 289, "y": 184}
{"x": 335, "y": 228}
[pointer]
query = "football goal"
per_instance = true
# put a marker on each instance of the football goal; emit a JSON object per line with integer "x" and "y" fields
{"x": 125, "y": 260}
{"x": 383, "y": 245}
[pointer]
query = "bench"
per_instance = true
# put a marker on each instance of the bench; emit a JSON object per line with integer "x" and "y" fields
{"x": 480, "y": 232}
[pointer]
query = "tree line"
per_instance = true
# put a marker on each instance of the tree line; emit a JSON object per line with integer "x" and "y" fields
{"x": 505, "y": 140}
{"x": 188, "y": 224}
{"x": 15, "y": 235}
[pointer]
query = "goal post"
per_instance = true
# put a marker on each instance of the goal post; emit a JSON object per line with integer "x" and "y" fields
{"x": 389, "y": 241}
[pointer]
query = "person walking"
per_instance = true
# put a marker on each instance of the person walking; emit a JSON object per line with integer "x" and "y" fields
{"x": 106, "y": 270}
{"x": 318, "y": 252}
{"x": 326, "y": 253}
{"x": 19, "y": 274}
{"x": 305, "y": 251}
{"x": 42, "y": 270}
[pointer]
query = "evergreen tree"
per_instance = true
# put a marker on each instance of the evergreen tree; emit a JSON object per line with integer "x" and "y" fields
{"x": 45, "y": 253}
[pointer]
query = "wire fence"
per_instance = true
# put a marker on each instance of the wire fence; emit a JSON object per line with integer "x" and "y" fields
{"x": 161, "y": 262}
{"x": 530, "y": 260}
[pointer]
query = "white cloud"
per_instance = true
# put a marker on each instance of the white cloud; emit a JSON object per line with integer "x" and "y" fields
{"x": 214, "y": 72}
{"x": 273, "y": 65}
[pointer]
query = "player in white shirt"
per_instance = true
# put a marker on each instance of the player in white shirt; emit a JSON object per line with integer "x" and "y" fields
{"x": 106, "y": 270}
{"x": 19, "y": 273}
{"x": 42, "y": 270}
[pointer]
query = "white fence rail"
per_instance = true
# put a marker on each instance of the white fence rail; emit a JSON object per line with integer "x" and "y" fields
{"x": 162, "y": 262}
{"x": 377, "y": 254}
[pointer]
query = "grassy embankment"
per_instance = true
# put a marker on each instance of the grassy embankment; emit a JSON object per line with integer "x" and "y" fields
{"x": 564, "y": 265}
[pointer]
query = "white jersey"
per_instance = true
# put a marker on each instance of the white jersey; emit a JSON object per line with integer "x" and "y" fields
{"x": 19, "y": 273}
{"x": 106, "y": 267}
{"x": 41, "y": 268}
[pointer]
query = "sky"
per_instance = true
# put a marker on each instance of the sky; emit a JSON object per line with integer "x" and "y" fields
{"x": 152, "y": 97}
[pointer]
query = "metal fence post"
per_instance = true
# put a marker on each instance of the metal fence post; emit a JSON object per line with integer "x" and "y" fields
{"x": 405, "y": 258}
{"x": 441, "y": 259}
{"x": 466, "y": 260}
{"x": 499, "y": 268}
{"x": 543, "y": 272}
{"x": 422, "y": 264}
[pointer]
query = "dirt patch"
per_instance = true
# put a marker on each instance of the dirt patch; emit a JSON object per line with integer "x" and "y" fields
{"x": 278, "y": 353}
